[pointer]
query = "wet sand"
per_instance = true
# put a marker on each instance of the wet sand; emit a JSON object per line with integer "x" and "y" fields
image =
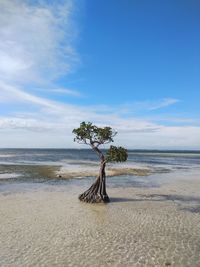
{"x": 83, "y": 169}
{"x": 156, "y": 226}
{"x": 88, "y": 171}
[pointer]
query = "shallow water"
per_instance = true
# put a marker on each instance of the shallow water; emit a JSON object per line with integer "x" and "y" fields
{"x": 38, "y": 164}
{"x": 45, "y": 225}
{"x": 152, "y": 220}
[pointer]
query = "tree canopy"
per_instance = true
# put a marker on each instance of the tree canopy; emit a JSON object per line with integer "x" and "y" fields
{"x": 90, "y": 134}
{"x": 94, "y": 136}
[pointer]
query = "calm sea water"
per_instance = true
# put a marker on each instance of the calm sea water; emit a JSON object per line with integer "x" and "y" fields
{"x": 60, "y": 156}
{"x": 17, "y": 165}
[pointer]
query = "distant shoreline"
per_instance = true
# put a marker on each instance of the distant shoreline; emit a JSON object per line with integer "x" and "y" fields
{"x": 129, "y": 150}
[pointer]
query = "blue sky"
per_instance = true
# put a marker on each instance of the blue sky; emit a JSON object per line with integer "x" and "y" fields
{"x": 133, "y": 65}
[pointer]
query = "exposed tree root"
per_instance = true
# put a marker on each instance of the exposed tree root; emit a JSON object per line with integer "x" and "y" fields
{"x": 96, "y": 193}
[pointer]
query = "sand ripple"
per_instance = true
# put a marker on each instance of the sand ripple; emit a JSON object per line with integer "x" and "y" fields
{"x": 144, "y": 227}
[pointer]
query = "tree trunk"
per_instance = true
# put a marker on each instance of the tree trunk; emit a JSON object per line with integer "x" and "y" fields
{"x": 97, "y": 192}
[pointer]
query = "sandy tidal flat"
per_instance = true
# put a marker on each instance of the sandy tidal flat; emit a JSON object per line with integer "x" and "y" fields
{"x": 48, "y": 226}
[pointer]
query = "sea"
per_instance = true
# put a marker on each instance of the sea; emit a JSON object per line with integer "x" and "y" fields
{"x": 25, "y": 168}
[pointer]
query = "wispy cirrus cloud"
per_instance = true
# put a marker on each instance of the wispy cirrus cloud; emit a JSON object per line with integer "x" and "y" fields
{"x": 163, "y": 103}
{"x": 36, "y": 47}
{"x": 56, "y": 113}
{"x": 37, "y": 40}
{"x": 65, "y": 91}
{"x": 10, "y": 93}
{"x": 52, "y": 122}
{"x": 145, "y": 106}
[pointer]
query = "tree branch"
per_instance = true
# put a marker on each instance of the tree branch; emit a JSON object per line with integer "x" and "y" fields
{"x": 99, "y": 153}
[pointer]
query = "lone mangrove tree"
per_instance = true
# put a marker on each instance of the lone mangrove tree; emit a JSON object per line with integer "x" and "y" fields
{"x": 94, "y": 136}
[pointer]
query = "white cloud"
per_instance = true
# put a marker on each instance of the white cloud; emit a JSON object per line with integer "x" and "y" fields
{"x": 52, "y": 123}
{"x": 164, "y": 103}
{"x": 41, "y": 132}
{"x": 36, "y": 40}
{"x": 65, "y": 91}
{"x": 11, "y": 93}
{"x": 146, "y": 105}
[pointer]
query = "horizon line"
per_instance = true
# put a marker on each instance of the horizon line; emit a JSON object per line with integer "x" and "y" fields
{"x": 87, "y": 148}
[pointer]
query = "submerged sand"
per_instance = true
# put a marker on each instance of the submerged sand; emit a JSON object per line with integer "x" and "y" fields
{"x": 48, "y": 226}
{"x": 89, "y": 171}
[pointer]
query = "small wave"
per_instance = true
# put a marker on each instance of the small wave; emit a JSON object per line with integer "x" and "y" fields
{"x": 78, "y": 162}
{"x": 7, "y": 155}
{"x": 9, "y": 175}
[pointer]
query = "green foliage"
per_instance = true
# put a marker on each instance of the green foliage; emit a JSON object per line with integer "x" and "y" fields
{"x": 95, "y": 136}
{"x": 116, "y": 154}
{"x": 90, "y": 134}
